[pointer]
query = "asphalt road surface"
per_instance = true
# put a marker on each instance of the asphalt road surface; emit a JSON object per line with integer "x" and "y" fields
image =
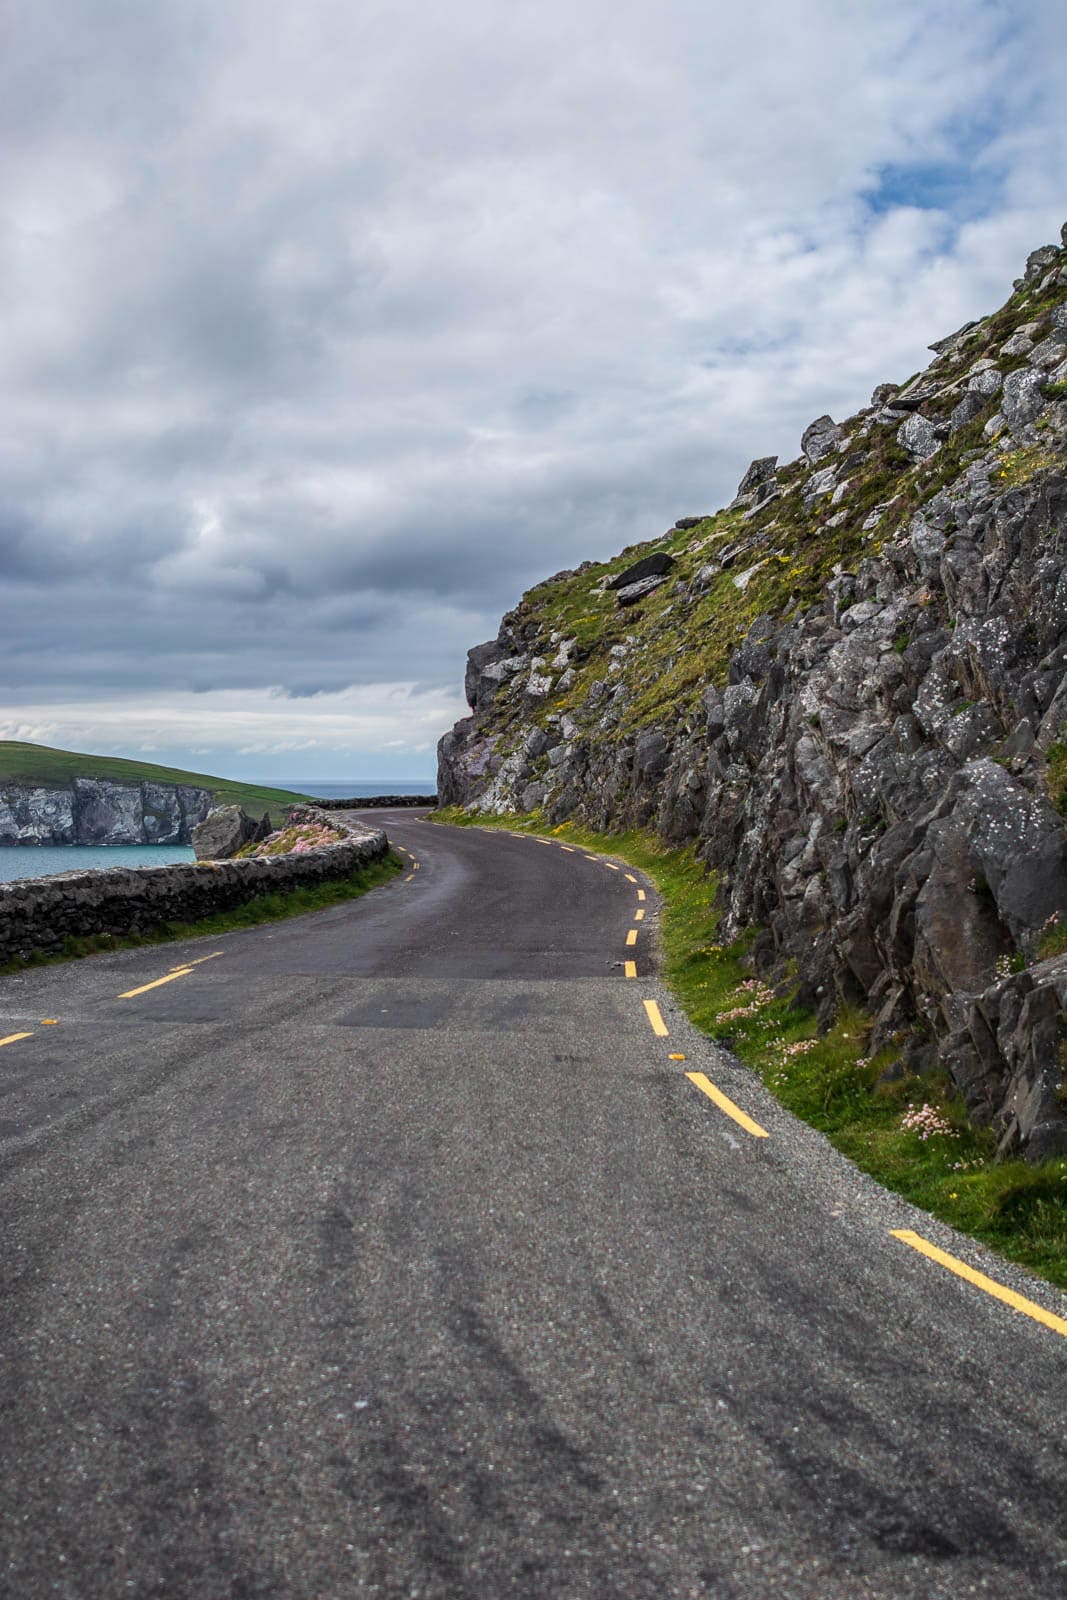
{"x": 391, "y": 1251}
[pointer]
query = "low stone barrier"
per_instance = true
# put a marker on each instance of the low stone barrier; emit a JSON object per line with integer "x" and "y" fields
{"x": 369, "y": 802}
{"x": 39, "y": 914}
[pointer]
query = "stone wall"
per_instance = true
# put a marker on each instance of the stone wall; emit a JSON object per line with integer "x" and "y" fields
{"x": 39, "y": 914}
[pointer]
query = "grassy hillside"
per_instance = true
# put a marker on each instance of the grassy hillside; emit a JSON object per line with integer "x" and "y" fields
{"x": 37, "y": 763}
{"x": 774, "y": 559}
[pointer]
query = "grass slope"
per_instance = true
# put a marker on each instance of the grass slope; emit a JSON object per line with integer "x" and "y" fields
{"x": 38, "y": 763}
{"x": 909, "y": 1133}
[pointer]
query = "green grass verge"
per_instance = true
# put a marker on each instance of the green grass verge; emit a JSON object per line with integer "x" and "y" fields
{"x": 38, "y": 763}
{"x": 275, "y": 907}
{"x": 940, "y": 1163}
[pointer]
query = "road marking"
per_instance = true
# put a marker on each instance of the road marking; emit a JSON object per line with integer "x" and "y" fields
{"x": 674, "y": 1056}
{"x": 630, "y": 968}
{"x": 724, "y": 1103}
{"x": 659, "y": 1027}
{"x": 414, "y": 865}
{"x": 1018, "y": 1302}
{"x": 199, "y": 962}
{"x": 13, "y": 1038}
{"x": 569, "y": 848}
{"x": 629, "y": 877}
{"x": 640, "y": 894}
{"x": 49, "y": 1022}
{"x": 631, "y": 937}
{"x": 179, "y": 972}
{"x": 639, "y": 916}
{"x": 611, "y": 866}
{"x": 410, "y": 877}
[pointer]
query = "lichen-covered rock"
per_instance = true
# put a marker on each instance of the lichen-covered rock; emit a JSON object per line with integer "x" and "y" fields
{"x": 222, "y": 833}
{"x": 857, "y": 712}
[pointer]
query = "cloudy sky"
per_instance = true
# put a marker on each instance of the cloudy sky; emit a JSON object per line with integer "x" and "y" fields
{"x": 328, "y": 326}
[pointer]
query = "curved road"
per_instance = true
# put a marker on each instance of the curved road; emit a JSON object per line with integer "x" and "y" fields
{"x": 389, "y": 1251}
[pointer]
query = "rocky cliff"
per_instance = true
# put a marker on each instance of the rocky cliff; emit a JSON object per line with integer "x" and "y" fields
{"x": 849, "y": 689}
{"x": 99, "y": 811}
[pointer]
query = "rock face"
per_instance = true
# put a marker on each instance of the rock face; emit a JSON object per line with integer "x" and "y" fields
{"x": 222, "y": 833}
{"x": 853, "y": 699}
{"x": 97, "y": 811}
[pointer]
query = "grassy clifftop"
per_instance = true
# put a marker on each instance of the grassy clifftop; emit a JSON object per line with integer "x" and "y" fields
{"x": 39, "y": 764}
{"x": 822, "y": 514}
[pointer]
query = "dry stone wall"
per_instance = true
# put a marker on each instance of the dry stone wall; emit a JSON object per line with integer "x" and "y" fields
{"x": 40, "y": 914}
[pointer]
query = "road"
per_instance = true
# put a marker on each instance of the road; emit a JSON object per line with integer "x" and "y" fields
{"x": 390, "y": 1251}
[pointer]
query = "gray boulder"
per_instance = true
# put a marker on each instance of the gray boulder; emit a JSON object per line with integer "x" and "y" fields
{"x": 820, "y": 438}
{"x": 918, "y": 437}
{"x": 633, "y": 592}
{"x": 1038, "y": 260}
{"x": 653, "y": 566}
{"x": 760, "y": 471}
{"x": 1023, "y": 398}
{"x": 222, "y": 833}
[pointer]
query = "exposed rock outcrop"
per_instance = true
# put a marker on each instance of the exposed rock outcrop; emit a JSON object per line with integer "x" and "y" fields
{"x": 852, "y": 695}
{"x": 98, "y": 811}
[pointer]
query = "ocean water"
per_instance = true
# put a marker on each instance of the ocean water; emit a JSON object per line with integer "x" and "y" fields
{"x": 40, "y": 861}
{"x": 354, "y": 787}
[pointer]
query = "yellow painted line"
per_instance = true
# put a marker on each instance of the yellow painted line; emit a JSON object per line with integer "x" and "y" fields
{"x": 199, "y": 962}
{"x": 611, "y": 866}
{"x": 1018, "y": 1302}
{"x": 569, "y": 848}
{"x": 630, "y": 968}
{"x": 640, "y": 894}
{"x": 639, "y": 916}
{"x": 674, "y": 1056}
{"x": 179, "y": 972}
{"x": 631, "y": 938}
{"x": 724, "y": 1103}
{"x": 659, "y": 1027}
{"x": 13, "y": 1038}
{"x": 542, "y": 841}
{"x": 629, "y": 877}
{"x": 410, "y": 877}
{"x": 49, "y": 1022}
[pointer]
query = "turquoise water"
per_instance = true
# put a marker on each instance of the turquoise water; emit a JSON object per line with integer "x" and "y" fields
{"x": 40, "y": 861}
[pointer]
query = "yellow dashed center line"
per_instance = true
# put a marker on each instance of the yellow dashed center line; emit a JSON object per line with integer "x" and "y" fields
{"x": 611, "y": 866}
{"x": 1018, "y": 1302}
{"x": 13, "y": 1038}
{"x": 410, "y": 878}
{"x": 199, "y": 962}
{"x": 179, "y": 972}
{"x": 631, "y": 938}
{"x": 640, "y": 894}
{"x": 724, "y": 1103}
{"x": 639, "y": 916}
{"x": 629, "y": 877}
{"x": 630, "y": 968}
{"x": 569, "y": 849}
{"x": 659, "y": 1027}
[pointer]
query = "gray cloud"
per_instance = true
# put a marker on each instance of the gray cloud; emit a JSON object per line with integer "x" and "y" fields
{"x": 325, "y": 334}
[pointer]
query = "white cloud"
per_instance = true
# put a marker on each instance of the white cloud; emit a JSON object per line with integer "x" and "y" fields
{"x": 324, "y": 337}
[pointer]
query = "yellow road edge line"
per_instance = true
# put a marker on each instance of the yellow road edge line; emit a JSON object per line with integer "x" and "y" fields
{"x": 179, "y": 972}
{"x": 1018, "y": 1302}
{"x": 640, "y": 894}
{"x": 13, "y": 1038}
{"x": 639, "y": 916}
{"x": 611, "y": 866}
{"x": 659, "y": 1027}
{"x": 630, "y": 968}
{"x": 724, "y": 1103}
{"x": 631, "y": 938}
{"x": 629, "y": 877}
